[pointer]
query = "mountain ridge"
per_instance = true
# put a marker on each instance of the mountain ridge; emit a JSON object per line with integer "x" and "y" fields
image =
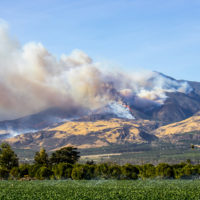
{"x": 126, "y": 118}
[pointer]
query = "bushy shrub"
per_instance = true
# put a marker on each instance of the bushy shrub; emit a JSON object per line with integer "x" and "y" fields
{"x": 4, "y": 173}
{"x": 62, "y": 170}
{"x": 14, "y": 172}
{"x": 83, "y": 172}
{"x": 130, "y": 171}
{"x": 78, "y": 172}
{"x": 33, "y": 170}
{"x": 147, "y": 171}
{"x": 188, "y": 171}
{"x": 177, "y": 170}
{"x": 115, "y": 171}
{"x": 89, "y": 170}
{"x": 24, "y": 170}
{"x": 164, "y": 170}
{"x": 43, "y": 173}
{"x": 102, "y": 171}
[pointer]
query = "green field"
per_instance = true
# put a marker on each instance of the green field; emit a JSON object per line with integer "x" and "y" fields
{"x": 101, "y": 189}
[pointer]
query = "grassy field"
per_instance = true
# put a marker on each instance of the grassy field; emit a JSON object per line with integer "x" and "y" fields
{"x": 101, "y": 189}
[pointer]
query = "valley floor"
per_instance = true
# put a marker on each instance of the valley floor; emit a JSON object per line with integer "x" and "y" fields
{"x": 131, "y": 153}
{"x": 100, "y": 189}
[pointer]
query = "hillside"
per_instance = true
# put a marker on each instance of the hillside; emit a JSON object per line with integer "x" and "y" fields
{"x": 188, "y": 125}
{"x": 96, "y": 132}
{"x": 88, "y": 134}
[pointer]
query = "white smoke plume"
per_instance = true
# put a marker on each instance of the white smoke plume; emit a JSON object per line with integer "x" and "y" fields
{"x": 32, "y": 79}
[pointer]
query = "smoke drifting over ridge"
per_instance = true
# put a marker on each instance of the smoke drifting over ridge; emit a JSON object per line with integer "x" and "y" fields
{"x": 32, "y": 79}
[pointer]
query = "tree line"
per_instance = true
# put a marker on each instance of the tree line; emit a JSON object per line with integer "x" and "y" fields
{"x": 62, "y": 164}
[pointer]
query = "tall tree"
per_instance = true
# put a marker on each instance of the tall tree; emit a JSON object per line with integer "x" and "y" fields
{"x": 41, "y": 157}
{"x": 65, "y": 155}
{"x": 8, "y": 158}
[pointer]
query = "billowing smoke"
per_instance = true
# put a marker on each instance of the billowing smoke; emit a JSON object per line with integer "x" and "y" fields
{"x": 32, "y": 79}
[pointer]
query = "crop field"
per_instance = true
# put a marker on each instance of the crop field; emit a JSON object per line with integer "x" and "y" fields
{"x": 101, "y": 189}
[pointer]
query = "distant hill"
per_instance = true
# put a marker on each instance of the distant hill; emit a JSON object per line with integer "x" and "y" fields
{"x": 88, "y": 134}
{"x": 104, "y": 132}
{"x": 33, "y": 123}
{"x": 190, "y": 124}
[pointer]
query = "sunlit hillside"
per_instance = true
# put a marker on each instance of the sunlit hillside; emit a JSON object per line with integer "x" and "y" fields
{"x": 88, "y": 134}
{"x": 188, "y": 125}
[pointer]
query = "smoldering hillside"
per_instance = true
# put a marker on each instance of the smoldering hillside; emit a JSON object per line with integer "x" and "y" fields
{"x": 32, "y": 80}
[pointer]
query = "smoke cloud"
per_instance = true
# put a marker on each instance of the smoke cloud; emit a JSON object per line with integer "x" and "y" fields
{"x": 32, "y": 79}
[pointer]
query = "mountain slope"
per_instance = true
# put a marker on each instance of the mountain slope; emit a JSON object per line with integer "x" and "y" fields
{"x": 35, "y": 122}
{"x": 188, "y": 125}
{"x": 98, "y": 133}
{"x": 88, "y": 134}
{"x": 177, "y": 107}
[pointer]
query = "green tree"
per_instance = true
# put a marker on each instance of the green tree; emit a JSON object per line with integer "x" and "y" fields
{"x": 33, "y": 170}
{"x": 4, "y": 173}
{"x": 65, "y": 155}
{"x": 130, "y": 172}
{"x": 14, "y": 172}
{"x": 178, "y": 170}
{"x": 164, "y": 170}
{"x": 189, "y": 170}
{"x": 62, "y": 170}
{"x": 147, "y": 171}
{"x": 24, "y": 170}
{"x": 41, "y": 158}
{"x": 44, "y": 173}
{"x": 102, "y": 170}
{"x": 115, "y": 171}
{"x": 89, "y": 171}
{"x": 78, "y": 172}
{"x": 8, "y": 158}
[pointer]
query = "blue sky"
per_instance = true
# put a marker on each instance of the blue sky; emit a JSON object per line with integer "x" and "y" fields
{"x": 158, "y": 35}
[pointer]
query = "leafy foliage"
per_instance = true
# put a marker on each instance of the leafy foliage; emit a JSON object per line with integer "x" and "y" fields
{"x": 130, "y": 171}
{"x": 65, "y": 155}
{"x": 8, "y": 158}
{"x": 41, "y": 158}
{"x": 4, "y": 174}
{"x": 43, "y": 173}
{"x": 62, "y": 170}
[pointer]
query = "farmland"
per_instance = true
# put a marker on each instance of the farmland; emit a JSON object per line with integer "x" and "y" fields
{"x": 100, "y": 189}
